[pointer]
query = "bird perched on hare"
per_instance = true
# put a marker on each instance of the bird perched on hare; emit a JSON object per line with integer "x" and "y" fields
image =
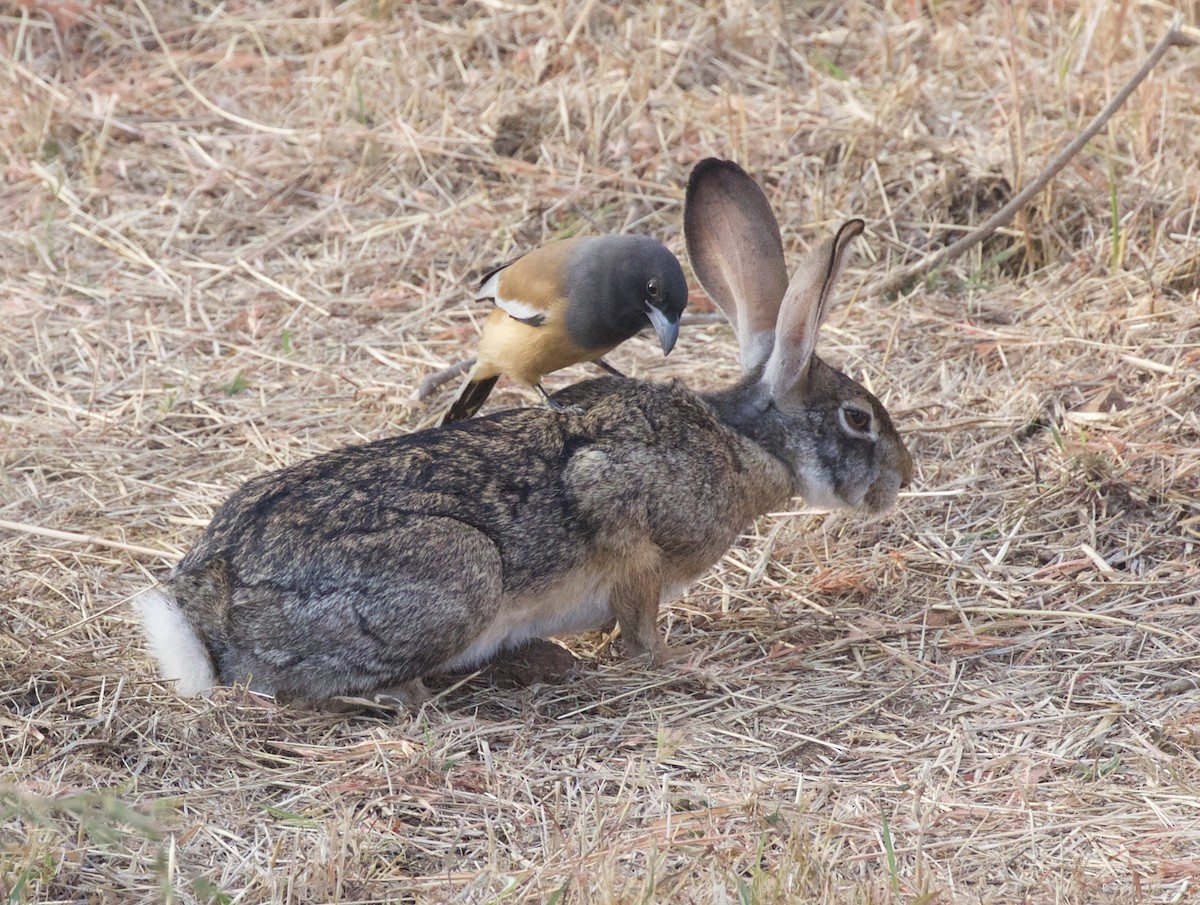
{"x": 361, "y": 571}
{"x": 569, "y": 302}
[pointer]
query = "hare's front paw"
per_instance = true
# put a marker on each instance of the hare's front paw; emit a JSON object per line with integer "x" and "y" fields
{"x": 667, "y": 653}
{"x": 659, "y": 653}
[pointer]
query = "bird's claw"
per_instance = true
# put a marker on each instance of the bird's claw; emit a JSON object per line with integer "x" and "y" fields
{"x": 565, "y": 409}
{"x": 556, "y": 406}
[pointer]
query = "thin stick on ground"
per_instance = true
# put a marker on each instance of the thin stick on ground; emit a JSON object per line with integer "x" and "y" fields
{"x": 1175, "y": 37}
{"x": 86, "y": 539}
{"x": 430, "y": 384}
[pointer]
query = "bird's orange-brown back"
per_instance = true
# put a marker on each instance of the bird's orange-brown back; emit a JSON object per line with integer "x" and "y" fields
{"x": 524, "y": 351}
{"x": 538, "y": 279}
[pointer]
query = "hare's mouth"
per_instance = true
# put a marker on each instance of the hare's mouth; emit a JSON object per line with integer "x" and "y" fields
{"x": 881, "y": 496}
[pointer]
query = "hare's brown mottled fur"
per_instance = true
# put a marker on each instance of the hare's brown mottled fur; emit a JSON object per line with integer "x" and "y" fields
{"x": 365, "y": 569}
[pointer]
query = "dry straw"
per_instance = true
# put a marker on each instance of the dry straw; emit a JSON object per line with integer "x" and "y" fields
{"x": 240, "y": 234}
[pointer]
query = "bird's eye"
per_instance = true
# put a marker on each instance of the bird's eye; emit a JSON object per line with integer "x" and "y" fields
{"x": 653, "y": 288}
{"x": 856, "y": 420}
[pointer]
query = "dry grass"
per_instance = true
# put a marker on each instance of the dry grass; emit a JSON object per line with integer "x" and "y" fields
{"x": 236, "y": 235}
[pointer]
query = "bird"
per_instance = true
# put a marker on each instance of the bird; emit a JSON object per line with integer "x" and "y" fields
{"x": 567, "y": 302}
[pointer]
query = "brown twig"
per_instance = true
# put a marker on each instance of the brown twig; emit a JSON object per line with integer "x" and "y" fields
{"x": 87, "y": 540}
{"x": 1174, "y": 37}
{"x": 429, "y": 385}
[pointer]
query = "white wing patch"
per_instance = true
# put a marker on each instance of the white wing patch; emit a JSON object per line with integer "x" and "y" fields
{"x": 518, "y": 309}
{"x": 514, "y": 308}
{"x": 490, "y": 286}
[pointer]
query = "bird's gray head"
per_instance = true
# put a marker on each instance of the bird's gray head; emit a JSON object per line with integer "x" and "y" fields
{"x": 618, "y": 285}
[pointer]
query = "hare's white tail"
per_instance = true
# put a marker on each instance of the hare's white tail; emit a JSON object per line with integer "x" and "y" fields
{"x": 181, "y": 654}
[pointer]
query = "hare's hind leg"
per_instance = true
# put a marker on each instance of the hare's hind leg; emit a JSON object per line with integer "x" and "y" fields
{"x": 411, "y": 694}
{"x": 373, "y": 611}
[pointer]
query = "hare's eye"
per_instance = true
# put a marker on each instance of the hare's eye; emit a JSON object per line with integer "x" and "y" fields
{"x": 856, "y": 421}
{"x": 653, "y": 289}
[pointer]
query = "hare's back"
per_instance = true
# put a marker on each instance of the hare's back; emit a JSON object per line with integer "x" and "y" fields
{"x": 499, "y": 476}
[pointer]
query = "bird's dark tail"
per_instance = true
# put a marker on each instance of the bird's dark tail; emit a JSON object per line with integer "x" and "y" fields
{"x": 470, "y": 398}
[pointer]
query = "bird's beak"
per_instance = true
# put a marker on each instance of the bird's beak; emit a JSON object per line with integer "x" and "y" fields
{"x": 667, "y": 329}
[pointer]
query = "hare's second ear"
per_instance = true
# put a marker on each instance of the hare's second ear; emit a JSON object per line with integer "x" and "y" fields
{"x": 733, "y": 241}
{"x": 803, "y": 311}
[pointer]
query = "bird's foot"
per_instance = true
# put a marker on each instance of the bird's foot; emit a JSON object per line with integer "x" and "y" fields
{"x": 556, "y": 406}
{"x": 605, "y": 366}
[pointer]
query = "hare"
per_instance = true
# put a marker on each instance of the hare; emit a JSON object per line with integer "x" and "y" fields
{"x": 365, "y": 569}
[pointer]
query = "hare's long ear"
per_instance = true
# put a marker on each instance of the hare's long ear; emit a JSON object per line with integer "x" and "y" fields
{"x": 733, "y": 241}
{"x": 804, "y": 309}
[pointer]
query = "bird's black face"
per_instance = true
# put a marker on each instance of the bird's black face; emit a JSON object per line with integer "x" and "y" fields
{"x": 619, "y": 285}
{"x": 666, "y": 297}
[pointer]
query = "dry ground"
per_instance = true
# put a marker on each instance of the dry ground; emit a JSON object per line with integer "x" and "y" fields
{"x": 238, "y": 234}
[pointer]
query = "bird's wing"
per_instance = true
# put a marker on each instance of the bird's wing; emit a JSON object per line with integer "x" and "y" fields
{"x": 514, "y": 308}
{"x": 521, "y": 311}
{"x": 489, "y": 281}
{"x": 531, "y": 289}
